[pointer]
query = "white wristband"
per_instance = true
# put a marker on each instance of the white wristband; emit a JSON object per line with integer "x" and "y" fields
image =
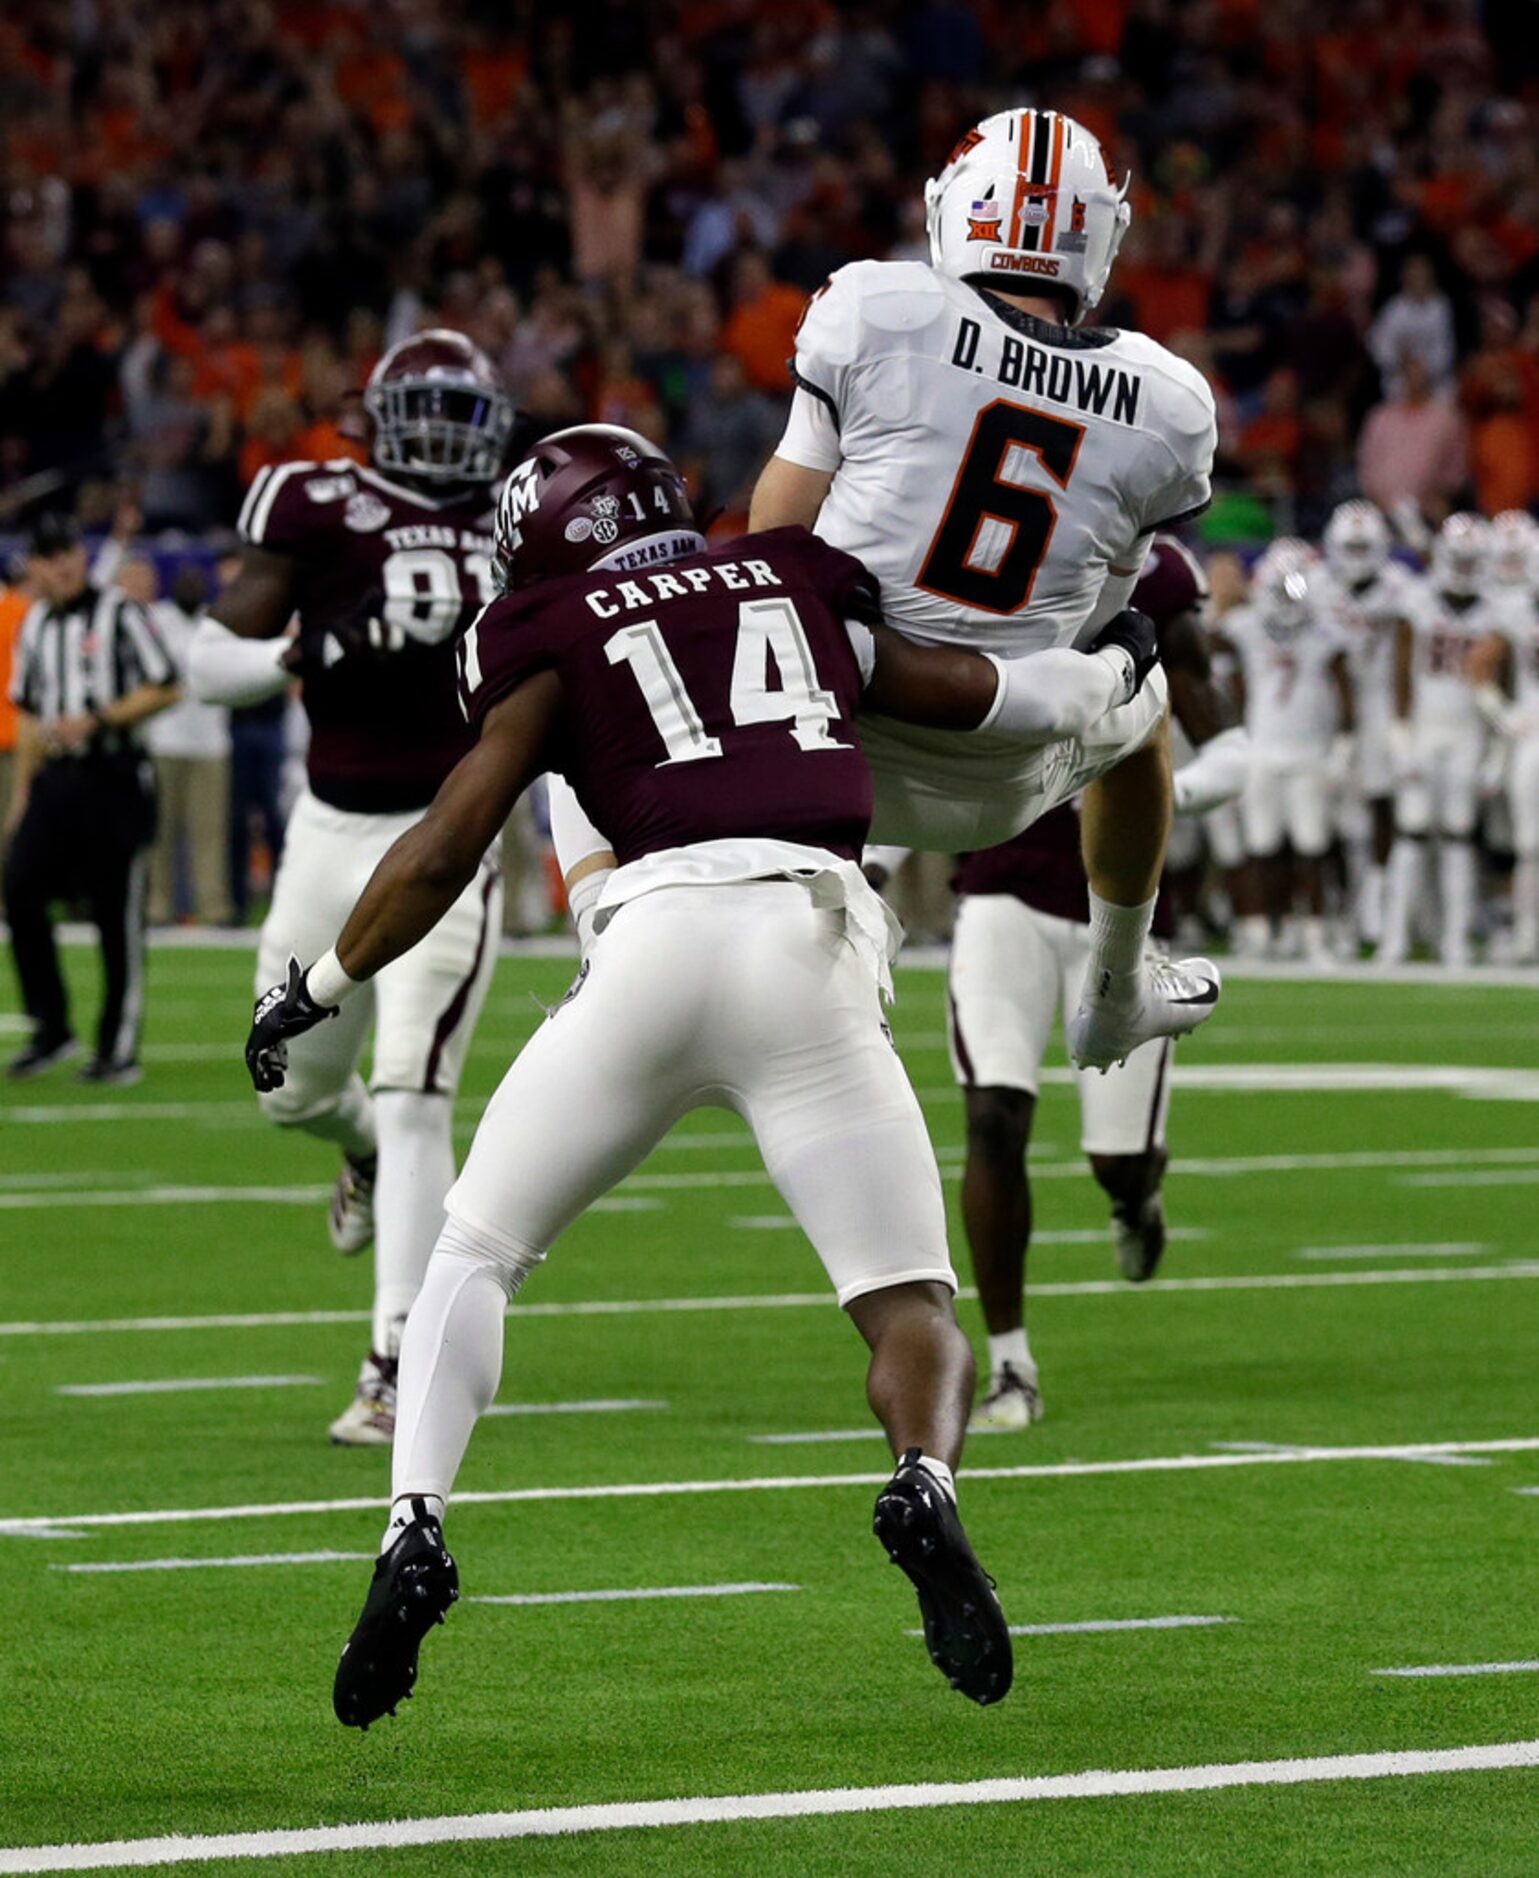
{"x": 326, "y": 981}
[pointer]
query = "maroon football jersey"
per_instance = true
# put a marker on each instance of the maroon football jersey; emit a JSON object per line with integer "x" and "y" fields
{"x": 707, "y": 699}
{"x": 385, "y": 729}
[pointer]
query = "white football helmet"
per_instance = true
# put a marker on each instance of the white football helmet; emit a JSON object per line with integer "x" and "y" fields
{"x": 1356, "y": 543}
{"x": 1281, "y": 586}
{"x": 1461, "y": 555}
{"x": 1028, "y": 196}
{"x": 1515, "y": 549}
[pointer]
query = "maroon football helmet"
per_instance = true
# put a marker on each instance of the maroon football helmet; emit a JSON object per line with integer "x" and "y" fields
{"x": 1173, "y": 582}
{"x": 590, "y": 494}
{"x": 440, "y": 412}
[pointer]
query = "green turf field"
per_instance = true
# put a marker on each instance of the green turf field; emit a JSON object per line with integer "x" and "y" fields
{"x": 197, "y": 1701}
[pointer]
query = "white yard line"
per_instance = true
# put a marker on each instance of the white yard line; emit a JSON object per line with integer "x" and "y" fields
{"x": 1286, "y": 1447}
{"x": 799, "y": 1439}
{"x": 170, "y": 1196}
{"x": 1415, "y": 1249}
{"x": 208, "y": 1564}
{"x": 664, "y": 1489}
{"x": 549, "y": 1822}
{"x": 626, "y": 1597}
{"x": 1097, "y": 1625}
{"x": 797, "y": 1300}
{"x": 1509, "y": 1177}
{"x": 176, "y": 1385}
{"x": 1523, "y": 1667}
{"x": 617, "y": 1405}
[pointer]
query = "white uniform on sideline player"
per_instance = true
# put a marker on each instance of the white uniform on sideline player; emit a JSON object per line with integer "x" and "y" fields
{"x": 1438, "y": 785}
{"x": 382, "y": 563}
{"x": 1371, "y": 600}
{"x": 1001, "y": 468}
{"x": 1506, "y": 671}
{"x": 1298, "y": 705}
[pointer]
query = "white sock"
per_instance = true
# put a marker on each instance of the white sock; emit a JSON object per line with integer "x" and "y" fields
{"x": 1402, "y": 889}
{"x": 410, "y": 1507}
{"x": 416, "y": 1170}
{"x": 451, "y": 1363}
{"x": 941, "y": 1474}
{"x": 1011, "y": 1347}
{"x": 1118, "y": 935}
{"x": 1370, "y": 904}
{"x": 1456, "y": 887}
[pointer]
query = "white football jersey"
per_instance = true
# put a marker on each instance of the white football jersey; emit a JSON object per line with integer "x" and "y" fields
{"x": 1291, "y": 703}
{"x": 1442, "y": 697}
{"x": 991, "y": 469}
{"x": 1368, "y": 618}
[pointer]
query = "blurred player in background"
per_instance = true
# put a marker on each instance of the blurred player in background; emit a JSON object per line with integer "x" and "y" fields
{"x": 382, "y": 563}
{"x": 1438, "y": 782}
{"x": 1370, "y": 600}
{"x": 1018, "y": 956}
{"x": 1297, "y": 696}
{"x": 700, "y": 703}
{"x": 1506, "y": 672}
{"x": 1000, "y": 466}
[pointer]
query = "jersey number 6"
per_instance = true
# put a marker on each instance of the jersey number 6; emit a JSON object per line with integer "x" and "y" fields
{"x": 995, "y": 532}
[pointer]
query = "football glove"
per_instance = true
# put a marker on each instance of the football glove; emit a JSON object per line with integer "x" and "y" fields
{"x": 364, "y": 633}
{"x": 285, "y": 1011}
{"x": 1134, "y": 633}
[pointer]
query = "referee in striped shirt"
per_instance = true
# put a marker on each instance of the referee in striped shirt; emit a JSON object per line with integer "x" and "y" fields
{"x": 89, "y": 669}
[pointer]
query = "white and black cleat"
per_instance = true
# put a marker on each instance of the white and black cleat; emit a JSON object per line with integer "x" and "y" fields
{"x": 1012, "y": 1403}
{"x": 964, "y": 1627}
{"x": 414, "y": 1584}
{"x": 1169, "y": 998}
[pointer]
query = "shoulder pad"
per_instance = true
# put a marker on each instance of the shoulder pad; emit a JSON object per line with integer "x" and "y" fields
{"x": 867, "y": 298}
{"x": 1182, "y": 396}
{"x": 278, "y": 511}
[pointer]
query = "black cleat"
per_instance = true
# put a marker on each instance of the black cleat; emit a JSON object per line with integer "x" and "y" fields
{"x": 1138, "y": 1239}
{"x": 964, "y": 1627}
{"x": 43, "y": 1053}
{"x": 414, "y": 1584}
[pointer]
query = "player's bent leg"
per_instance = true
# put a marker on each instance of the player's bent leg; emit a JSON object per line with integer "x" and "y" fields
{"x": 996, "y": 1211}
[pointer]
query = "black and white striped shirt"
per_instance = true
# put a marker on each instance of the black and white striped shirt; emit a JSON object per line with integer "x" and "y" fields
{"x": 84, "y": 655}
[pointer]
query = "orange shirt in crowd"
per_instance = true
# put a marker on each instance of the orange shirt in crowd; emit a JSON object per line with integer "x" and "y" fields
{"x": 1503, "y": 461}
{"x": 762, "y": 334}
{"x": 13, "y": 610}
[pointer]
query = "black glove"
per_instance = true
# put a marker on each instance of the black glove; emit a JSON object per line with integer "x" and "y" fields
{"x": 287, "y": 1010}
{"x": 1134, "y": 632}
{"x": 364, "y": 632}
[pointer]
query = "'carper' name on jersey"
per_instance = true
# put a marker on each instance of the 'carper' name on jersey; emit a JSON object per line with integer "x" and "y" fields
{"x": 627, "y": 595}
{"x": 1085, "y": 383}
{"x": 709, "y": 702}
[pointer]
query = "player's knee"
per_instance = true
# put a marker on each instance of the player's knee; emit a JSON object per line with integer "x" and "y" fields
{"x": 504, "y": 1259}
{"x": 290, "y": 1107}
{"x": 999, "y": 1124}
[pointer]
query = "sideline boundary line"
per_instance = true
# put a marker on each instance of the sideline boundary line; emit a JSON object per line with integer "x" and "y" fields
{"x": 775, "y": 1483}
{"x": 548, "y": 1822}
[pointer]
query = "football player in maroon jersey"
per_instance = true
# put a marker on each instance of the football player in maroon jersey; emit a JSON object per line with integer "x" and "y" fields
{"x": 1019, "y": 954}
{"x": 381, "y": 564}
{"x": 701, "y": 704}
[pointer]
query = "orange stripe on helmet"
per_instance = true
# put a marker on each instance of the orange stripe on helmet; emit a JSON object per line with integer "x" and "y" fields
{"x": 1055, "y": 170}
{"x": 1022, "y": 165}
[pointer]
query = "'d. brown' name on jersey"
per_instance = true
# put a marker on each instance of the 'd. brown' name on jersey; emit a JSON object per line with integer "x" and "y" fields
{"x": 385, "y": 728}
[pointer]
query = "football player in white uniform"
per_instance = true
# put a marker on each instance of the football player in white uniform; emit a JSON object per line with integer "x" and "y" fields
{"x": 1370, "y": 599}
{"x": 1438, "y": 783}
{"x": 1299, "y": 710}
{"x": 1001, "y": 467}
{"x": 1506, "y": 671}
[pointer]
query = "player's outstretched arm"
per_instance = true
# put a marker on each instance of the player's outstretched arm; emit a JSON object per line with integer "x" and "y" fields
{"x": 430, "y": 866}
{"x": 1036, "y": 699}
{"x": 239, "y": 652}
{"x": 259, "y": 600}
{"x": 1218, "y": 771}
{"x": 787, "y": 494}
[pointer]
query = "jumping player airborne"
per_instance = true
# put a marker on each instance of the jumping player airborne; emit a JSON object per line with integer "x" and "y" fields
{"x": 700, "y": 702}
{"x": 383, "y": 563}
